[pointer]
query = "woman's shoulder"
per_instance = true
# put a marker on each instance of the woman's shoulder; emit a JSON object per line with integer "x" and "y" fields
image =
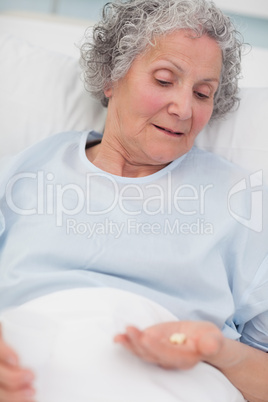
{"x": 213, "y": 164}
{"x": 53, "y": 144}
{"x": 45, "y": 150}
{"x": 211, "y": 158}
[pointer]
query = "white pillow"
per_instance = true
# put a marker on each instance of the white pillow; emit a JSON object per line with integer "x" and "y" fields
{"x": 49, "y": 31}
{"x": 242, "y": 136}
{"x": 41, "y": 94}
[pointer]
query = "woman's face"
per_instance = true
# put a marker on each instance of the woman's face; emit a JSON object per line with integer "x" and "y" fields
{"x": 165, "y": 99}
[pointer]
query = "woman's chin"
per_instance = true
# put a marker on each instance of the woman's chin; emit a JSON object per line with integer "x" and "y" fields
{"x": 166, "y": 156}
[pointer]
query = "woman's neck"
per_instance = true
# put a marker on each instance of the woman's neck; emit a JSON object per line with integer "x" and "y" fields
{"x": 111, "y": 160}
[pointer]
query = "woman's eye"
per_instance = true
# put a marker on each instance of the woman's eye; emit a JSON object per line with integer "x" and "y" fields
{"x": 200, "y": 95}
{"x": 163, "y": 83}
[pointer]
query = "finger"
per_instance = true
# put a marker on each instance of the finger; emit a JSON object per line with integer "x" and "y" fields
{"x": 14, "y": 379}
{"x": 132, "y": 341}
{"x": 124, "y": 340}
{"x": 7, "y": 354}
{"x": 135, "y": 337}
{"x": 25, "y": 395}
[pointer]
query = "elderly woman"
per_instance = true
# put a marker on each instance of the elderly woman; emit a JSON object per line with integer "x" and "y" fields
{"x": 140, "y": 208}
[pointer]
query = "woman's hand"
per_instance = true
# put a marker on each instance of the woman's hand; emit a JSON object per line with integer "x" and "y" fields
{"x": 243, "y": 365}
{"x": 15, "y": 382}
{"x": 203, "y": 340}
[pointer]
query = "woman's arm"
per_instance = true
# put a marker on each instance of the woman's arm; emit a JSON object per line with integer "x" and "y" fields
{"x": 245, "y": 367}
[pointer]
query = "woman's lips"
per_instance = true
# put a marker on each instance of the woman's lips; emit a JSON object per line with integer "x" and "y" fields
{"x": 167, "y": 130}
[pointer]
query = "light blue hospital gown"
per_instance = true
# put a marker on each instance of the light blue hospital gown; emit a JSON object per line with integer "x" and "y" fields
{"x": 191, "y": 237}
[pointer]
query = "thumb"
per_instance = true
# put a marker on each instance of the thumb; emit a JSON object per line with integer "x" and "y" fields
{"x": 210, "y": 344}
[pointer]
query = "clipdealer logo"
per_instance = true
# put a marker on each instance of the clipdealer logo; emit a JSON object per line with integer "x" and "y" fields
{"x": 255, "y": 220}
{"x": 45, "y": 196}
{"x": 68, "y": 200}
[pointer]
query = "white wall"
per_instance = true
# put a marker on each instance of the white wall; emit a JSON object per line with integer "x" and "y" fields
{"x": 256, "y": 8}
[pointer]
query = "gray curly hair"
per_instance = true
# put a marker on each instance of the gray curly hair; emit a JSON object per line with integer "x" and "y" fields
{"x": 128, "y": 27}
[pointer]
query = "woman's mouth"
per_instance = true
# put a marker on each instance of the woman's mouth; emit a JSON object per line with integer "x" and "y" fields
{"x": 167, "y": 130}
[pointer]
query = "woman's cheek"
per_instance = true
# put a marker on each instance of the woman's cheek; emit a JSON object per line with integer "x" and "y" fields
{"x": 203, "y": 116}
{"x": 151, "y": 101}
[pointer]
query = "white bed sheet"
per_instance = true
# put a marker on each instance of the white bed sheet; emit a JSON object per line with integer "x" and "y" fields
{"x": 67, "y": 339}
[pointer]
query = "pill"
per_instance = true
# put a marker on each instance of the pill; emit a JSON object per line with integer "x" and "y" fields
{"x": 177, "y": 338}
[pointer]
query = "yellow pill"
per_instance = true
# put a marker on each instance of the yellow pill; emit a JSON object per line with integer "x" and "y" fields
{"x": 177, "y": 338}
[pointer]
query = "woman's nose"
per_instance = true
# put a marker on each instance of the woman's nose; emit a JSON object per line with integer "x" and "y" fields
{"x": 181, "y": 104}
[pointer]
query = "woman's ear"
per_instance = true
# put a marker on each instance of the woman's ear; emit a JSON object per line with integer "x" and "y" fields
{"x": 108, "y": 92}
